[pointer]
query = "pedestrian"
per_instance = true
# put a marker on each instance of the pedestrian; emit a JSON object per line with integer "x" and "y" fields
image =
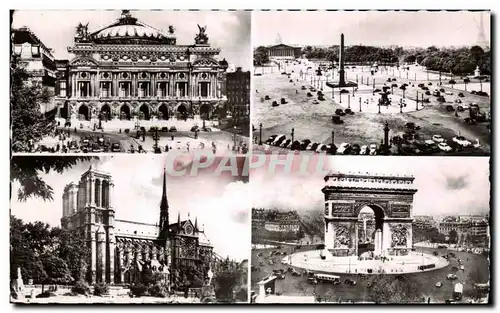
{"x": 172, "y": 137}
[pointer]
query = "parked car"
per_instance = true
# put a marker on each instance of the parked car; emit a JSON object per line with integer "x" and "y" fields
{"x": 373, "y": 149}
{"x": 461, "y": 141}
{"x": 344, "y": 148}
{"x": 195, "y": 128}
{"x": 461, "y": 94}
{"x": 314, "y": 146}
{"x": 320, "y": 148}
{"x": 295, "y": 273}
{"x": 439, "y": 284}
{"x": 304, "y": 144}
{"x": 355, "y": 149}
{"x": 286, "y": 144}
{"x": 270, "y": 139}
{"x": 443, "y": 146}
{"x": 340, "y": 112}
{"x": 438, "y": 138}
{"x": 173, "y": 129}
{"x": 364, "y": 150}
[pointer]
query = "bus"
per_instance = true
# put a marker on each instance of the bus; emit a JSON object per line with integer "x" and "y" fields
{"x": 457, "y": 292}
{"x": 327, "y": 278}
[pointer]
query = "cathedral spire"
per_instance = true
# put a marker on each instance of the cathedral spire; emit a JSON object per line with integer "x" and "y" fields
{"x": 164, "y": 204}
{"x": 196, "y": 223}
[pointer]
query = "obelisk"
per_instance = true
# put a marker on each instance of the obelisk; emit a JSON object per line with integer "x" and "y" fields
{"x": 341, "y": 62}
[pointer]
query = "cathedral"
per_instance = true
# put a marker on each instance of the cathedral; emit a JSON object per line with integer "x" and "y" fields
{"x": 120, "y": 250}
{"x": 129, "y": 69}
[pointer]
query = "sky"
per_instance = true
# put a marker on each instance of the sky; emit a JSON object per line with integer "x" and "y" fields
{"x": 446, "y": 185}
{"x": 218, "y": 201}
{"x": 229, "y": 31}
{"x": 419, "y": 29}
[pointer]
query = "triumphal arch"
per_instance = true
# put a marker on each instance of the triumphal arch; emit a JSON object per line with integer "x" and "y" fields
{"x": 391, "y": 199}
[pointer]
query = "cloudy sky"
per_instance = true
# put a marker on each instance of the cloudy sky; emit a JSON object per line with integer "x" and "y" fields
{"x": 445, "y": 185}
{"x": 229, "y": 31}
{"x": 422, "y": 29}
{"x": 220, "y": 202}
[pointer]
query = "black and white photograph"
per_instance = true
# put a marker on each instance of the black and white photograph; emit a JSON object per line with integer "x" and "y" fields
{"x": 390, "y": 230}
{"x": 130, "y": 81}
{"x": 372, "y": 82}
{"x": 126, "y": 229}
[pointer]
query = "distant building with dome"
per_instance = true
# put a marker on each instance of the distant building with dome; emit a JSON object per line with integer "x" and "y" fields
{"x": 121, "y": 250}
{"x": 129, "y": 69}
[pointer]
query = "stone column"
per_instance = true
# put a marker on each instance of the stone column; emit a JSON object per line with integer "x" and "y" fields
{"x": 64, "y": 205}
{"x": 75, "y": 201}
{"x": 171, "y": 85}
{"x": 92, "y": 191}
{"x": 111, "y": 192}
{"x": 153, "y": 85}
{"x": 115, "y": 84}
{"x": 98, "y": 198}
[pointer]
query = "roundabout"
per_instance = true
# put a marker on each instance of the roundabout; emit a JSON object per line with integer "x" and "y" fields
{"x": 313, "y": 261}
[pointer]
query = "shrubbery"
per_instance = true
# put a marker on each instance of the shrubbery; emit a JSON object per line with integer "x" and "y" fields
{"x": 158, "y": 290}
{"x": 101, "y": 289}
{"x": 138, "y": 290}
{"x": 81, "y": 287}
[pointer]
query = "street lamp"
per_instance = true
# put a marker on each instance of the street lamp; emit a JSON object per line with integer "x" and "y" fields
{"x": 293, "y": 133}
{"x": 234, "y": 139}
{"x": 156, "y": 138}
{"x": 260, "y": 134}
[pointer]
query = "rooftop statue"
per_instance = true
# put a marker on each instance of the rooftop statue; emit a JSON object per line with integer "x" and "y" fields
{"x": 82, "y": 32}
{"x": 202, "y": 37}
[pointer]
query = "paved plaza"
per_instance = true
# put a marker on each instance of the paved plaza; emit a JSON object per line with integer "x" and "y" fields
{"x": 476, "y": 271}
{"x": 311, "y": 119}
{"x": 311, "y": 260}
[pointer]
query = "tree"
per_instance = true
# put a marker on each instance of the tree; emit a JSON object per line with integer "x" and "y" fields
{"x": 25, "y": 170}
{"x": 403, "y": 87}
{"x": 477, "y": 53}
{"x": 453, "y": 235}
{"x": 466, "y": 81}
{"x": 73, "y": 249}
{"x": 28, "y": 123}
{"x": 57, "y": 270}
{"x": 394, "y": 289}
{"x": 226, "y": 280}
{"x": 260, "y": 56}
{"x": 452, "y": 82}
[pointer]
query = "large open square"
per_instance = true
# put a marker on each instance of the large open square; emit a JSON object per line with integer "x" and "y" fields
{"x": 312, "y": 119}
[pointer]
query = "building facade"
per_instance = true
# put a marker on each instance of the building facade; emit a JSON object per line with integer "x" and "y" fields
{"x": 470, "y": 229}
{"x": 130, "y": 69}
{"x": 283, "y": 52}
{"x": 121, "y": 250}
{"x": 238, "y": 95}
{"x": 38, "y": 60}
{"x": 275, "y": 225}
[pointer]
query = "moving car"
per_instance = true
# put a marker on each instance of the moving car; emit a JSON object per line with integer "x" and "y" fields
{"x": 295, "y": 273}
{"x": 449, "y": 93}
{"x": 438, "y": 138}
{"x": 350, "y": 282}
{"x": 344, "y": 148}
{"x": 444, "y": 146}
{"x": 439, "y": 284}
{"x": 461, "y": 141}
{"x": 451, "y": 276}
{"x": 115, "y": 147}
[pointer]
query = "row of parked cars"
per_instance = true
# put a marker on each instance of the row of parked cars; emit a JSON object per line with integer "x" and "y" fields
{"x": 345, "y": 148}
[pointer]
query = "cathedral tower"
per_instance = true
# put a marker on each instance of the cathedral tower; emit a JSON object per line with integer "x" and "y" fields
{"x": 88, "y": 209}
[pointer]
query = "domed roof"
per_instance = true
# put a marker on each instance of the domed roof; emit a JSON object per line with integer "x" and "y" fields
{"x": 129, "y": 30}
